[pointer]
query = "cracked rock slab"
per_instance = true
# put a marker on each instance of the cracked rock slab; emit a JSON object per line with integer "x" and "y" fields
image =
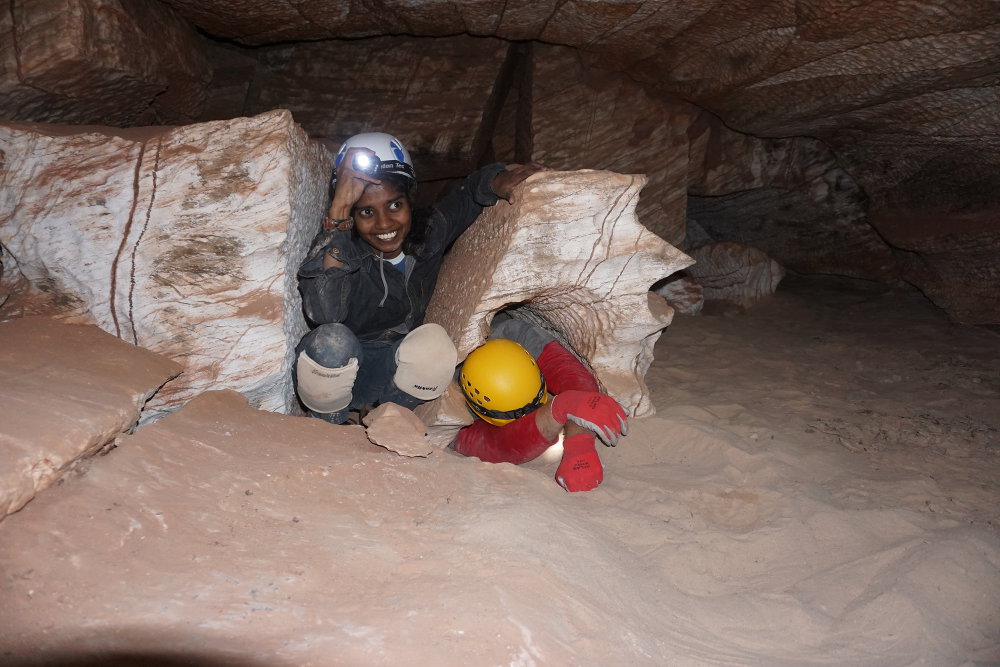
{"x": 66, "y": 391}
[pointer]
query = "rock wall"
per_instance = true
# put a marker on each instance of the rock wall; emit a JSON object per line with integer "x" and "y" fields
{"x": 184, "y": 241}
{"x": 571, "y": 252}
{"x": 108, "y": 62}
{"x": 431, "y": 93}
{"x": 584, "y": 118}
{"x": 790, "y": 198}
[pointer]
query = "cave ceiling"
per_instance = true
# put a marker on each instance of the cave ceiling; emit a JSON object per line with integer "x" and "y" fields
{"x": 826, "y": 68}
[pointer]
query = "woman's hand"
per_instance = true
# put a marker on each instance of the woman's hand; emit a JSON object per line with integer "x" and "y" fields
{"x": 351, "y": 184}
{"x": 504, "y": 183}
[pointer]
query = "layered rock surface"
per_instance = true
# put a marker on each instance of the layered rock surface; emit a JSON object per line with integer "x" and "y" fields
{"x": 66, "y": 392}
{"x": 571, "y": 255}
{"x": 791, "y": 198}
{"x": 185, "y": 241}
{"x": 108, "y": 62}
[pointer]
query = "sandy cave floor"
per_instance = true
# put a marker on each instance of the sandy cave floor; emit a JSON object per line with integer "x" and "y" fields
{"x": 819, "y": 486}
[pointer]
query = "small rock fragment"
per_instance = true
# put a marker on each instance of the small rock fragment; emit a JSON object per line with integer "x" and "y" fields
{"x": 398, "y": 430}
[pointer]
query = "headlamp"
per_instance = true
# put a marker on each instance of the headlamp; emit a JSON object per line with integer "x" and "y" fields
{"x": 366, "y": 163}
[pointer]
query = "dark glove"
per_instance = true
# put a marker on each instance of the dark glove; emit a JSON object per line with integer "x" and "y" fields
{"x": 581, "y": 468}
{"x": 593, "y": 411}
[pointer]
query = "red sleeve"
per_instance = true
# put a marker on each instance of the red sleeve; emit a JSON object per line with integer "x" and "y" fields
{"x": 516, "y": 442}
{"x": 563, "y": 371}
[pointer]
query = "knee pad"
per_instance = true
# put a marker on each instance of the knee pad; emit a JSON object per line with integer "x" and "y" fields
{"x": 425, "y": 362}
{"x": 324, "y": 389}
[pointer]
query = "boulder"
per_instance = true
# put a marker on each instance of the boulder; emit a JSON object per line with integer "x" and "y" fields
{"x": 735, "y": 273}
{"x": 571, "y": 256}
{"x": 66, "y": 392}
{"x": 184, "y": 241}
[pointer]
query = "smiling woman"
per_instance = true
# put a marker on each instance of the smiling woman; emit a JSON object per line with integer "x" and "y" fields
{"x": 383, "y": 217}
{"x": 369, "y": 275}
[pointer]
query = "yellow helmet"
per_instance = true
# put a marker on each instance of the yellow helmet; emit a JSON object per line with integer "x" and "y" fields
{"x": 502, "y": 382}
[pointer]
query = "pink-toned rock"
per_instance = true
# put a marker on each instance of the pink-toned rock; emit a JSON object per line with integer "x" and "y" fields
{"x": 286, "y": 540}
{"x": 66, "y": 391}
{"x": 108, "y": 62}
{"x": 185, "y": 242}
{"x": 397, "y": 429}
{"x": 571, "y": 253}
{"x": 735, "y": 273}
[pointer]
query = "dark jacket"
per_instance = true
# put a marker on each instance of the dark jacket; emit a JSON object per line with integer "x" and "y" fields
{"x": 353, "y": 294}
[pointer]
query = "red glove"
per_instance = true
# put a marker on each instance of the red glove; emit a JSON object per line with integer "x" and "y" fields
{"x": 581, "y": 468}
{"x": 594, "y": 411}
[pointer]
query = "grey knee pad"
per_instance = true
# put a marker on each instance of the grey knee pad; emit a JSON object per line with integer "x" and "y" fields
{"x": 425, "y": 362}
{"x": 324, "y": 389}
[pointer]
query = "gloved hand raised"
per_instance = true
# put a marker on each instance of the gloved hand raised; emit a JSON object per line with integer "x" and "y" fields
{"x": 581, "y": 468}
{"x": 593, "y": 411}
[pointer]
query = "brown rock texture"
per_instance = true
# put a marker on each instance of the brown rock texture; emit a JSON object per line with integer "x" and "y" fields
{"x": 432, "y": 93}
{"x": 185, "y": 242}
{"x": 790, "y": 198}
{"x": 731, "y": 272}
{"x": 108, "y": 62}
{"x": 586, "y": 119}
{"x": 66, "y": 391}
{"x": 903, "y": 97}
{"x": 571, "y": 253}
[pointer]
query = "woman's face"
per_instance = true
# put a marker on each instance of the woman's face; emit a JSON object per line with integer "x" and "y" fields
{"x": 382, "y": 218}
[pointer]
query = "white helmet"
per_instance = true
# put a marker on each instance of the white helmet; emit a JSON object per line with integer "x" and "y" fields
{"x": 393, "y": 157}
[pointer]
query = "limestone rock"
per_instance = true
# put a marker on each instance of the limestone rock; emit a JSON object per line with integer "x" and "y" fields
{"x": 108, "y": 62}
{"x": 571, "y": 253}
{"x": 735, "y": 273}
{"x": 66, "y": 391}
{"x": 398, "y": 430}
{"x": 186, "y": 242}
{"x": 683, "y": 294}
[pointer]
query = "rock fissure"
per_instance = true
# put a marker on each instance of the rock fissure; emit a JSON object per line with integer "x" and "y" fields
{"x": 142, "y": 233}
{"x": 113, "y": 278}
